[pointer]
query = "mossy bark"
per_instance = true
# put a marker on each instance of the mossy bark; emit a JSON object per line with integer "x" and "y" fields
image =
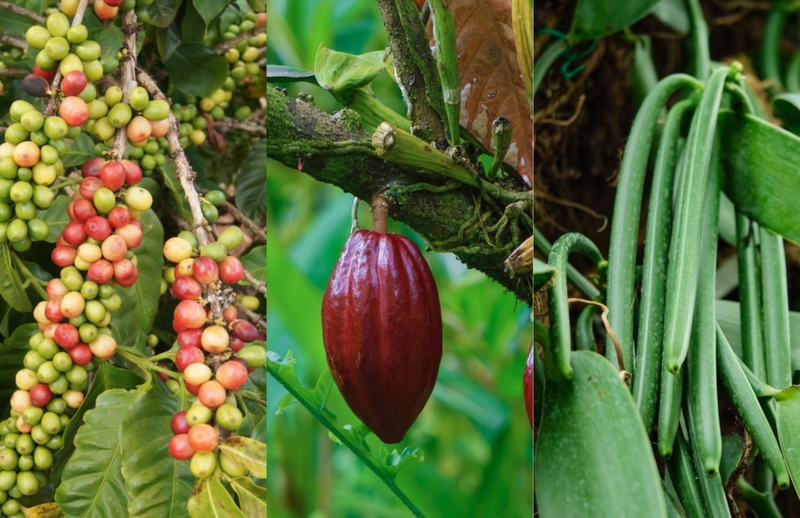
{"x": 336, "y": 150}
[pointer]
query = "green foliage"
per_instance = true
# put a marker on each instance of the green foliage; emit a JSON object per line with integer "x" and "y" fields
{"x": 97, "y": 452}
{"x": 195, "y": 69}
{"x": 592, "y": 438}
{"x": 598, "y": 18}
{"x": 11, "y": 287}
{"x": 157, "y": 484}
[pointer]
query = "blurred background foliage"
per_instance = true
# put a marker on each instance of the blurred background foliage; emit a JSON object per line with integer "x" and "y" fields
{"x": 474, "y": 431}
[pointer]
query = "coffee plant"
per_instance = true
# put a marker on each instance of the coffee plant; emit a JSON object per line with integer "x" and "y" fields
{"x": 664, "y": 364}
{"x": 132, "y": 265}
{"x": 432, "y": 129}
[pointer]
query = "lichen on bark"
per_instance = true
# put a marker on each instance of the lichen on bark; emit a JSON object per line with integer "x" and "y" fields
{"x": 335, "y": 150}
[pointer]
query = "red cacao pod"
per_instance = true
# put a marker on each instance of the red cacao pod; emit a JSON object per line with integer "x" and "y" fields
{"x": 527, "y": 385}
{"x": 382, "y": 330}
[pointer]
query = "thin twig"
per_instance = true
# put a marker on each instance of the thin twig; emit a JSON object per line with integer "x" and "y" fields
{"x": 227, "y": 124}
{"x": 223, "y": 47}
{"x": 186, "y": 176}
{"x": 130, "y": 29}
{"x": 260, "y": 286}
{"x": 21, "y": 10}
{"x": 258, "y": 233}
{"x": 609, "y": 330}
{"x": 51, "y": 102}
{"x": 13, "y": 72}
{"x": 182, "y": 223}
{"x": 11, "y": 40}
{"x": 254, "y": 317}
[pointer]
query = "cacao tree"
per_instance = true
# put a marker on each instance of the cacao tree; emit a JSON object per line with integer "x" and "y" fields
{"x": 400, "y": 323}
{"x": 132, "y": 250}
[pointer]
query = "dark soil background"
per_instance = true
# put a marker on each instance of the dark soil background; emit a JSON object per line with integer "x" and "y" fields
{"x": 581, "y": 127}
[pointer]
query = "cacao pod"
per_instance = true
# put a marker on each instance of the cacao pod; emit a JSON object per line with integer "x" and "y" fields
{"x": 382, "y": 330}
{"x": 527, "y": 385}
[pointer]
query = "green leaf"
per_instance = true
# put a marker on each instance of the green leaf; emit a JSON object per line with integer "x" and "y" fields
{"x": 788, "y": 424}
{"x": 212, "y": 500}
{"x": 787, "y": 108}
{"x": 598, "y": 18}
{"x": 728, "y": 316}
{"x": 81, "y": 150}
{"x": 247, "y": 452}
{"x": 110, "y": 39}
{"x": 193, "y": 26}
{"x": 673, "y": 14}
{"x": 162, "y": 12}
{"x": 12, "y": 352}
{"x": 209, "y": 9}
{"x": 341, "y": 73}
{"x": 760, "y": 172}
{"x": 107, "y": 377}
{"x": 151, "y": 261}
{"x": 251, "y": 182}
{"x": 543, "y": 273}
{"x": 732, "y": 451}
{"x": 284, "y": 74}
{"x": 56, "y": 216}
{"x": 92, "y": 480}
{"x": 255, "y": 262}
{"x": 196, "y": 69}
{"x": 174, "y": 186}
{"x": 14, "y": 24}
{"x": 158, "y": 484}
{"x": 10, "y": 284}
{"x": 593, "y": 452}
{"x": 167, "y": 40}
{"x": 252, "y": 499}
{"x": 384, "y": 464}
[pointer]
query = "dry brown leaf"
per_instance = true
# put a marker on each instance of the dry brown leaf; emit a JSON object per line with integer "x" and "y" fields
{"x": 491, "y": 81}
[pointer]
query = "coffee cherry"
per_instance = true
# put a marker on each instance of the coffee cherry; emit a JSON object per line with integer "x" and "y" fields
{"x": 198, "y": 414}
{"x": 131, "y": 233}
{"x": 245, "y": 331}
{"x": 231, "y": 375}
{"x": 74, "y": 111}
{"x": 212, "y": 394}
{"x": 112, "y": 174}
{"x": 176, "y": 249}
{"x": 190, "y": 338}
{"x": 35, "y": 85}
{"x": 197, "y": 373}
{"x": 178, "y": 423}
{"x": 40, "y": 395}
{"x": 203, "y": 438}
{"x": 97, "y": 227}
{"x": 104, "y": 346}
{"x": 179, "y": 447}
{"x": 139, "y": 129}
{"x": 205, "y": 270}
{"x": 186, "y": 288}
{"x": 73, "y": 83}
{"x": 231, "y": 270}
{"x": 187, "y": 356}
{"x": 214, "y": 339}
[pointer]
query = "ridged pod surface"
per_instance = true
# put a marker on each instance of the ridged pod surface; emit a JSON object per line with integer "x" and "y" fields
{"x": 527, "y": 385}
{"x": 382, "y": 329}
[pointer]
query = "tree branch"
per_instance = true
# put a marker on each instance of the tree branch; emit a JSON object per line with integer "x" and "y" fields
{"x": 257, "y": 231}
{"x": 8, "y": 6}
{"x": 227, "y": 124}
{"x": 449, "y": 217}
{"x": 223, "y": 47}
{"x": 415, "y": 68}
{"x": 50, "y": 106}
{"x": 128, "y": 65}
{"x": 254, "y": 317}
{"x": 186, "y": 176}
{"x": 13, "y": 72}
{"x": 11, "y": 40}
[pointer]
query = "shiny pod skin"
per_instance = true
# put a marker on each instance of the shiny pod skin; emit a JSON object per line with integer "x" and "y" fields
{"x": 382, "y": 330}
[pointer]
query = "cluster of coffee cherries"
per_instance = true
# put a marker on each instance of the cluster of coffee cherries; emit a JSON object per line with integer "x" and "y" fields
{"x": 108, "y": 9}
{"x": 30, "y": 162}
{"x": 141, "y": 117}
{"x": 66, "y": 48}
{"x": 94, "y": 251}
{"x": 212, "y": 355}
